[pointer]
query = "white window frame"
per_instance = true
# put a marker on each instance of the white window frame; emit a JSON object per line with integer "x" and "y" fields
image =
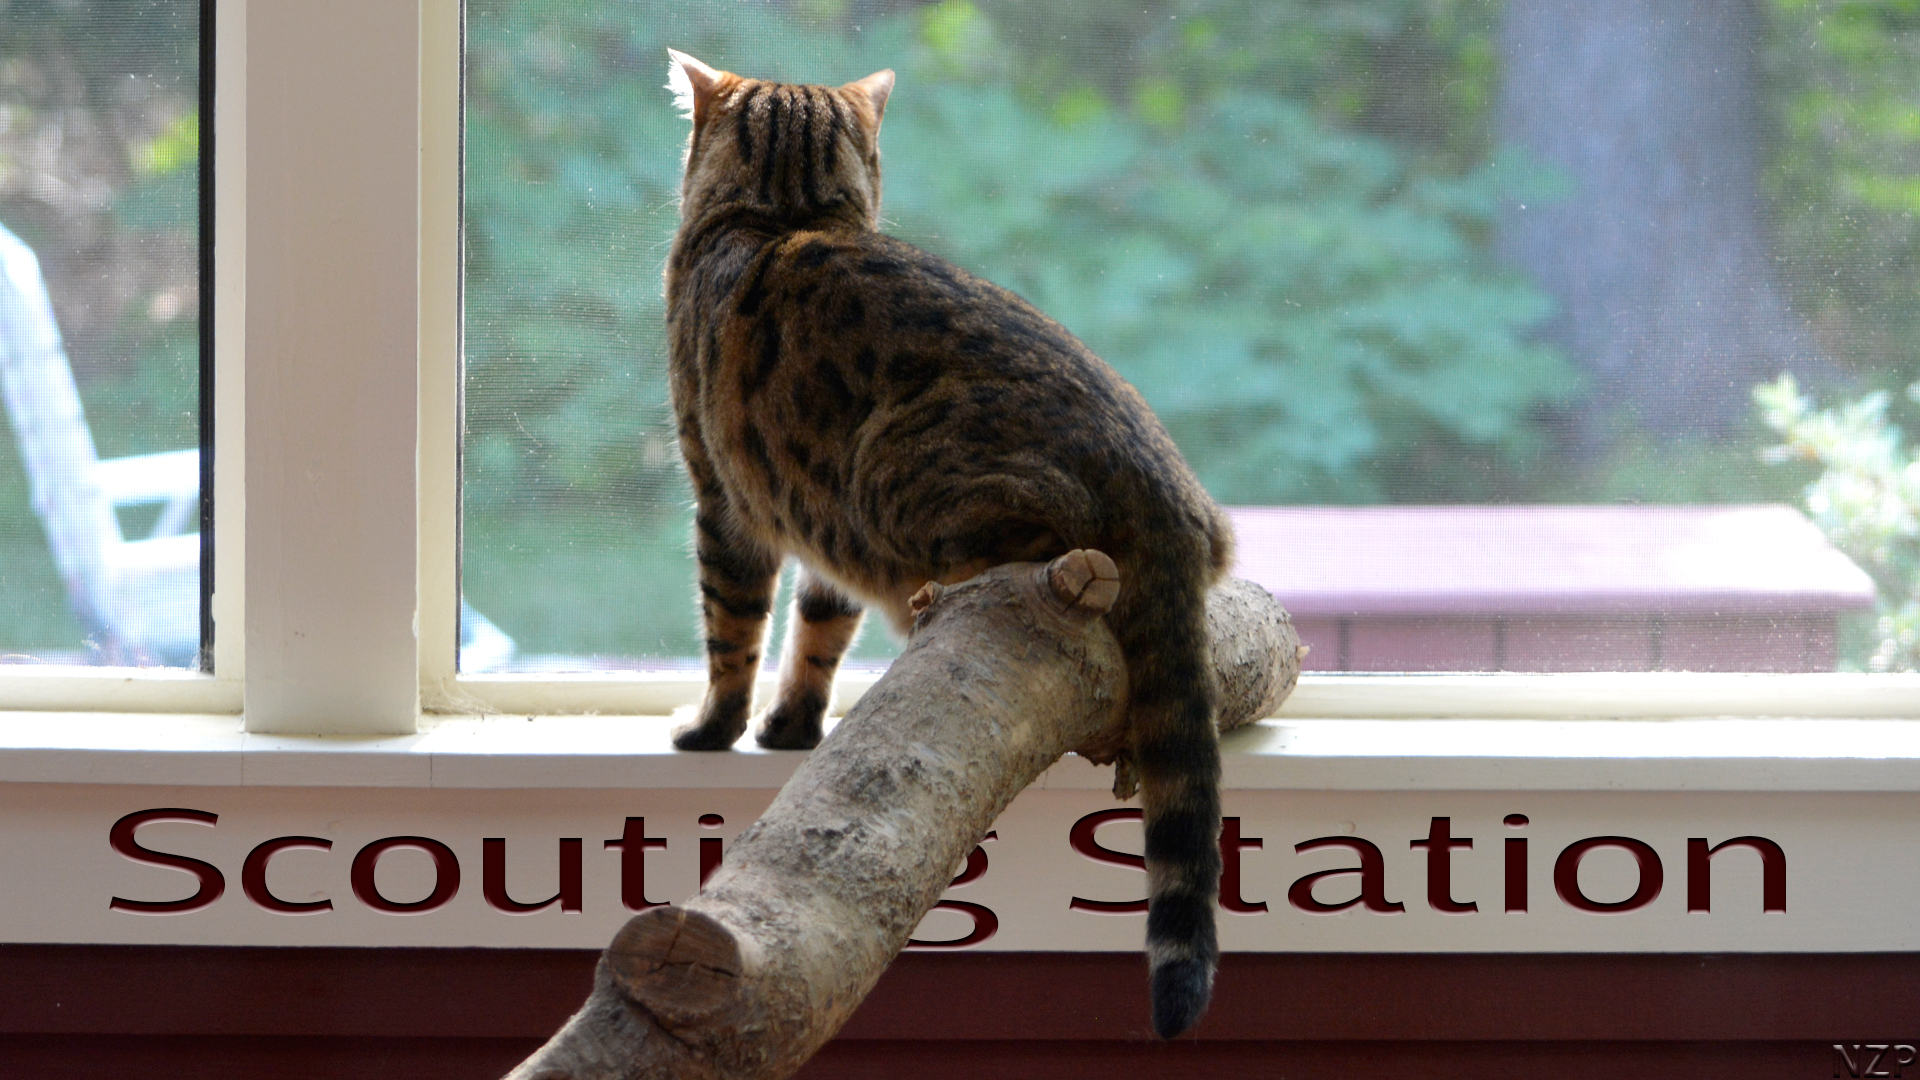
{"x": 118, "y": 689}
{"x": 337, "y": 411}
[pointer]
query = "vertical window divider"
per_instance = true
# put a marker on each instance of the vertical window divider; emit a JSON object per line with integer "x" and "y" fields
{"x": 229, "y": 180}
{"x": 441, "y": 50}
{"x": 332, "y": 346}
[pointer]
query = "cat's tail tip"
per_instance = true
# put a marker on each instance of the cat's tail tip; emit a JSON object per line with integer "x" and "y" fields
{"x": 1181, "y": 990}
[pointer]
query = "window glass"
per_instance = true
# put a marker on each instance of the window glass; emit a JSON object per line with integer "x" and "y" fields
{"x": 1520, "y": 335}
{"x": 100, "y": 332}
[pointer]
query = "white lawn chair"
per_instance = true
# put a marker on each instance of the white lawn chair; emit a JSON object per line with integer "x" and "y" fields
{"x": 139, "y": 600}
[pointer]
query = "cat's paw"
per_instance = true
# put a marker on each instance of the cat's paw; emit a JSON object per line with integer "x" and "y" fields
{"x": 787, "y": 740}
{"x": 791, "y": 725}
{"x": 706, "y": 731}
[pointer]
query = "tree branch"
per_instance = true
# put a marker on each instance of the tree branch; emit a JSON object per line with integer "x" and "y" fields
{"x": 1004, "y": 674}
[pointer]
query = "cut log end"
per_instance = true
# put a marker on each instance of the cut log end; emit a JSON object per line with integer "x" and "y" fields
{"x": 1085, "y": 581}
{"x": 681, "y": 965}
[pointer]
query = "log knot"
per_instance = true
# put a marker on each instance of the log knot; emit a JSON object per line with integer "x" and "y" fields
{"x": 926, "y": 597}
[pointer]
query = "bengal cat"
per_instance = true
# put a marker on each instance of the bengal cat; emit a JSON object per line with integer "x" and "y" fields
{"x": 889, "y": 419}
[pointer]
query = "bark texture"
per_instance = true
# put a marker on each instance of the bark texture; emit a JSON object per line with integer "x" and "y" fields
{"x": 1004, "y": 674}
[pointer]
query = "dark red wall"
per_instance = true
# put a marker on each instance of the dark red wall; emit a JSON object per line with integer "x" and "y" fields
{"x": 157, "y": 1013}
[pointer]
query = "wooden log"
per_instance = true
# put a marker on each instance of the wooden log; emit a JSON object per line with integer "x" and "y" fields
{"x": 1004, "y": 673}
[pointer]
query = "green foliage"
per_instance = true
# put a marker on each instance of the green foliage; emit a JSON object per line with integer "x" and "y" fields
{"x": 1640, "y": 469}
{"x": 1297, "y": 307}
{"x": 1866, "y": 499}
{"x": 1843, "y": 174}
{"x": 34, "y": 615}
{"x": 1213, "y": 204}
{"x": 551, "y": 591}
{"x": 1296, "y": 299}
{"x": 1419, "y": 72}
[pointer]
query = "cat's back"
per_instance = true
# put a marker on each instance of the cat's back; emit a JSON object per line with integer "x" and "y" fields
{"x": 817, "y": 292}
{"x": 916, "y": 379}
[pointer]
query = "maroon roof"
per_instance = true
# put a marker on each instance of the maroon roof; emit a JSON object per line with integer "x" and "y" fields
{"x": 1498, "y": 560}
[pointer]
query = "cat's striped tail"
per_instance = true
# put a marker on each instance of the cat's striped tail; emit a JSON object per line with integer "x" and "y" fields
{"x": 1173, "y": 695}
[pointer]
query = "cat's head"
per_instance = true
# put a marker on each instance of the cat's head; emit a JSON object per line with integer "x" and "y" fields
{"x": 798, "y": 152}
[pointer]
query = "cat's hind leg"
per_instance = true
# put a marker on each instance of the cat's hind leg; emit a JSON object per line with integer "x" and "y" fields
{"x": 823, "y": 624}
{"x": 737, "y": 577}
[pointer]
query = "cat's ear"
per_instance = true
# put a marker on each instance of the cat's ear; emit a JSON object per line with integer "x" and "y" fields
{"x": 695, "y": 86}
{"x": 876, "y": 87}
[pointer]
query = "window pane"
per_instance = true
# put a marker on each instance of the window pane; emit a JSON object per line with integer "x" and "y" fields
{"x": 1478, "y": 309}
{"x": 100, "y": 333}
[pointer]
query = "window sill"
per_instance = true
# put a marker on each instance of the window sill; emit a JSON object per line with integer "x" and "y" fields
{"x": 629, "y": 752}
{"x": 115, "y": 690}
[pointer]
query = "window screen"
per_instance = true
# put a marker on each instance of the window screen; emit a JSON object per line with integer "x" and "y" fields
{"x": 1528, "y": 336}
{"x": 101, "y": 332}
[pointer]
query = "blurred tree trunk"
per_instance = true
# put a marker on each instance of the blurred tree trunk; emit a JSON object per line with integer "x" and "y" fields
{"x": 1648, "y": 112}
